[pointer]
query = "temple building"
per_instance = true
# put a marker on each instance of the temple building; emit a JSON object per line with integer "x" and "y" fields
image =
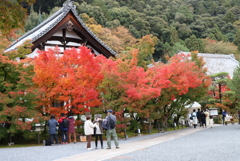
{"x": 217, "y": 63}
{"x": 64, "y": 29}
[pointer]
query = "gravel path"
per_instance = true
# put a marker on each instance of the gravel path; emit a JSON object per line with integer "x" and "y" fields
{"x": 220, "y": 143}
{"x": 49, "y": 153}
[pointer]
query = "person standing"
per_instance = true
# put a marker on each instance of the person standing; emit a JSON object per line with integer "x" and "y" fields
{"x": 52, "y": 124}
{"x": 211, "y": 121}
{"x": 199, "y": 117}
{"x": 111, "y": 131}
{"x": 207, "y": 118}
{"x": 190, "y": 120}
{"x": 194, "y": 116}
{"x": 224, "y": 113}
{"x": 71, "y": 128}
{"x": 63, "y": 125}
{"x": 98, "y": 131}
{"x": 203, "y": 119}
{"x": 88, "y": 130}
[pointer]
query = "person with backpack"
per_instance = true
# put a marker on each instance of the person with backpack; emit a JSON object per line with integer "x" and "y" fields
{"x": 52, "y": 124}
{"x": 63, "y": 125}
{"x": 110, "y": 122}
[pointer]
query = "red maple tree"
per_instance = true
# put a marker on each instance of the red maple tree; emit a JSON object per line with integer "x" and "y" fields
{"x": 70, "y": 79}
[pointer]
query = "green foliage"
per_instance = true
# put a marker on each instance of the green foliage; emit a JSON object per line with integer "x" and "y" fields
{"x": 237, "y": 39}
{"x": 234, "y": 85}
{"x": 12, "y": 15}
{"x": 193, "y": 44}
{"x": 230, "y": 17}
{"x": 28, "y": 135}
{"x": 204, "y": 19}
{"x": 178, "y": 47}
{"x": 3, "y": 132}
{"x": 34, "y": 19}
{"x": 146, "y": 49}
{"x": 17, "y": 97}
{"x": 174, "y": 36}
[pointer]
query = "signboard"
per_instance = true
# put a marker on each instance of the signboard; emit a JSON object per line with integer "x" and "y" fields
{"x": 213, "y": 111}
{"x": 227, "y": 118}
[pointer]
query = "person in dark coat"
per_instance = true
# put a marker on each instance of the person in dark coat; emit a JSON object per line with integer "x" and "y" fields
{"x": 224, "y": 113}
{"x": 203, "y": 119}
{"x": 52, "y": 124}
{"x": 98, "y": 131}
{"x": 63, "y": 129}
{"x": 199, "y": 117}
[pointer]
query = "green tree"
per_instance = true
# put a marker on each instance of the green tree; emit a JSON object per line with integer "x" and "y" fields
{"x": 220, "y": 92}
{"x": 184, "y": 30}
{"x": 178, "y": 47}
{"x": 230, "y": 17}
{"x": 12, "y": 15}
{"x": 193, "y": 43}
{"x": 200, "y": 8}
{"x": 17, "y": 93}
{"x": 173, "y": 36}
{"x": 237, "y": 39}
{"x": 187, "y": 12}
{"x": 146, "y": 49}
{"x": 34, "y": 19}
{"x": 217, "y": 34}
{"x": 228, "y": 28}
{"x": 234, "y": 85}
{"x": 198, "y": 27}
{"x": 93, "y": 11}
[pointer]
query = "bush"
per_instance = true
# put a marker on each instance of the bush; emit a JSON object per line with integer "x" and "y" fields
{"x": 3, "y": 132}
{"x": 28, "y": 135}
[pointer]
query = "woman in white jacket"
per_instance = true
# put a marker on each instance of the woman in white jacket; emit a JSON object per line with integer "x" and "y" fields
{"x": 194, "y": 116}
{"x": 88, "y": 129}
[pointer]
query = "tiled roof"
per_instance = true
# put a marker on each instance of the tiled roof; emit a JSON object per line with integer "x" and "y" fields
{"x": 50, "y": 23}
{"x": 217, "y": 63}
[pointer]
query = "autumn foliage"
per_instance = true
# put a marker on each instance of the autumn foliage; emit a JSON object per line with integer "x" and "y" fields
{"x": 80, "y": 81}
{"x": 69, "y": 79}
{"x": 17, "y": 93}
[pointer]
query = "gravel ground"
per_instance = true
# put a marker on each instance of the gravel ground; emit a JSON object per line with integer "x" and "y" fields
{"x": 220, "y": 143}
{"x": 49, "y": 153}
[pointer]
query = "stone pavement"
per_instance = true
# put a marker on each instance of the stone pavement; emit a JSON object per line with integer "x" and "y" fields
{"x": 103, "y": 154}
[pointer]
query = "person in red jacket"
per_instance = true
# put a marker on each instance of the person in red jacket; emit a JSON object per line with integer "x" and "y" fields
{"x": 63, "y": 125}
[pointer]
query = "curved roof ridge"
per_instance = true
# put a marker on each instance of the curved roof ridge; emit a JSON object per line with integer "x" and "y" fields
{"x": 97, "y": 38}
{"x": 37, "y": 27}
{"x": 58, "y": 16}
